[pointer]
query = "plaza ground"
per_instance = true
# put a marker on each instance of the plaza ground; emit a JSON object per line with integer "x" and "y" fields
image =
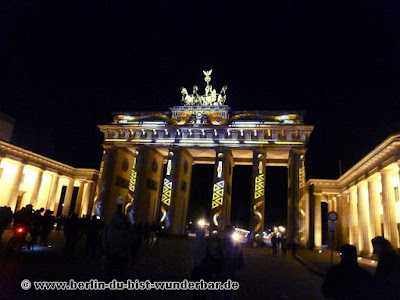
{"x": 263, "y": 276}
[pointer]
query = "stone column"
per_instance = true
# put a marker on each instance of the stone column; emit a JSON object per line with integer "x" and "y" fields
{"x": 36, "y": 188}
{"x": 180, "y": 190}
{"x": 114, "y": 182}
{"x": 257, "y": 211}
{"x": 89, "y": 198}
{"x": 317, "y": 222}
{"x": 51, "y": 201}
{"x": 168, "y": 186}
{"x": 374, "y": 203}
{"x": 306, "y": 221}
{"x": 222, "y": 190}
{"x": 68, "y": 198}
{"x": 78, "y": 203}
{"x": 343, "y": 219}
{"x": 150, "y": 164}
{"x": 389, "y": 213}
{"x": 12, "y": 200}
{"x": 106, "y": 176}
{"x": 353, "y": 218}
{"x": 363, "y": 217}
{"x": 296, "y": 174}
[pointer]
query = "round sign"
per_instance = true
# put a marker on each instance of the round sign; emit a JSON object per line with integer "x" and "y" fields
{"x": 332, "y": 216}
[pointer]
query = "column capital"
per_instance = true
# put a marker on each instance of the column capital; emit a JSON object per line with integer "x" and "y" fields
{"x": 299, "y": 151}
{"x": 362, "y": 184}
{"x": 374, "y": 177}
{"x": 384, "y": 172}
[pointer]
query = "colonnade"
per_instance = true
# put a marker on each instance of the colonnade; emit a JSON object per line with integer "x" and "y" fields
{"x": 28, "y": 178}
{"x": 136, "y": 174}
{"x": 367, "y": 207}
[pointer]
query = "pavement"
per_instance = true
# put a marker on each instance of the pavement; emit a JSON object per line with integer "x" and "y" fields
{"x": 319, "y": 261}
{"x": 168, "y": 258}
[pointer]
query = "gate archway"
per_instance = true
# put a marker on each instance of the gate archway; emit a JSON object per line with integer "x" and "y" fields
{"x": 138, "y": 145}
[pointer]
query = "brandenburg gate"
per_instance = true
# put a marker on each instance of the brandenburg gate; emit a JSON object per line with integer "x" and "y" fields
{"x": 203, "y": 130}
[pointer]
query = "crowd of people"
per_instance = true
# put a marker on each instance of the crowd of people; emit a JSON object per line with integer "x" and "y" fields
{"x": 217, "y": 257}
{"x": 280, "y": 242}
{"x": 37, "y": 223}
{"x": 349, "y": 281}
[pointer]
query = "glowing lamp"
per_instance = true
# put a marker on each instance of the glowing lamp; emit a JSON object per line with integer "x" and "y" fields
{"x": 201, "y": 223}
{"x": 20, "y": 229}
{"x": 235, "y": 236}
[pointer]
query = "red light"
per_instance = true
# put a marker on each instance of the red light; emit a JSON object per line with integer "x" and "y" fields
{"x": 20, "y": 229}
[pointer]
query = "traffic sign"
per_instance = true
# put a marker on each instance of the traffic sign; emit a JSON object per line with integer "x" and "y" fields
{"x": 332, "y": 216}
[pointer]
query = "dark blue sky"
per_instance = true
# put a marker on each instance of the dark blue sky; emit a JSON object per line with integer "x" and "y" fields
{"x": 67, "y": 66}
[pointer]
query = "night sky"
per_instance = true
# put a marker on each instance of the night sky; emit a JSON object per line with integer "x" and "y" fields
{"x": 66, "y": 67}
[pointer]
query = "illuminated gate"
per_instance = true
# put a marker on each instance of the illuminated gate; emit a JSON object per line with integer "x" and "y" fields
{"x": 138, "y": 145}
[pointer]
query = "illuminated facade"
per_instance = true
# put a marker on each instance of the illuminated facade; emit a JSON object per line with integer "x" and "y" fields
{"x": 366, "y": 199}
{"x": 203, "y": 130}
{"x": 29, "y": 178}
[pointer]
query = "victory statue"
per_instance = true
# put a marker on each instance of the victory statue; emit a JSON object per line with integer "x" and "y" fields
{"x": 210, "y": 97}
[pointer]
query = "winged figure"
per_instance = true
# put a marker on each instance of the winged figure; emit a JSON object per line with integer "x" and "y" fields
{"x": 207, "y": 73}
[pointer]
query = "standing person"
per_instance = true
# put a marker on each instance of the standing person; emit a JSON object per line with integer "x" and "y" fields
{"x": 284, "y": 246}
{"x": 5, "y": 218}
{"x": 387, "y": 273}
{"x": 136, "y": 242}
{"x": 200, "y": 268}
{"x": 293, "y": 247}
{"x": 37, "y": 220}
{"x": 347, "y": 280}
{"x": 92, "y": 237}
{"x": 231, "y": 260}
{"x": 117, "y": 242}
{"x": 47, "y": 226}
{"x": 71, "y": 234}
{"x": 274, "y": 242}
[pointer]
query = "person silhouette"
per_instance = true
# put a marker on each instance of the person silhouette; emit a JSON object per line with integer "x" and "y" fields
{"x": 274, "y": 243}
{"x": 387, "y": 273}
{"x": 347, "y": 280}
{"x": 284, "y": 246}
{"x": 117, "y": 242}
{"x": 71, "y": 233}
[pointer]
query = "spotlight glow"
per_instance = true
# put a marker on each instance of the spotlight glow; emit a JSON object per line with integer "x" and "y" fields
{"x": 201, "y": 222}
